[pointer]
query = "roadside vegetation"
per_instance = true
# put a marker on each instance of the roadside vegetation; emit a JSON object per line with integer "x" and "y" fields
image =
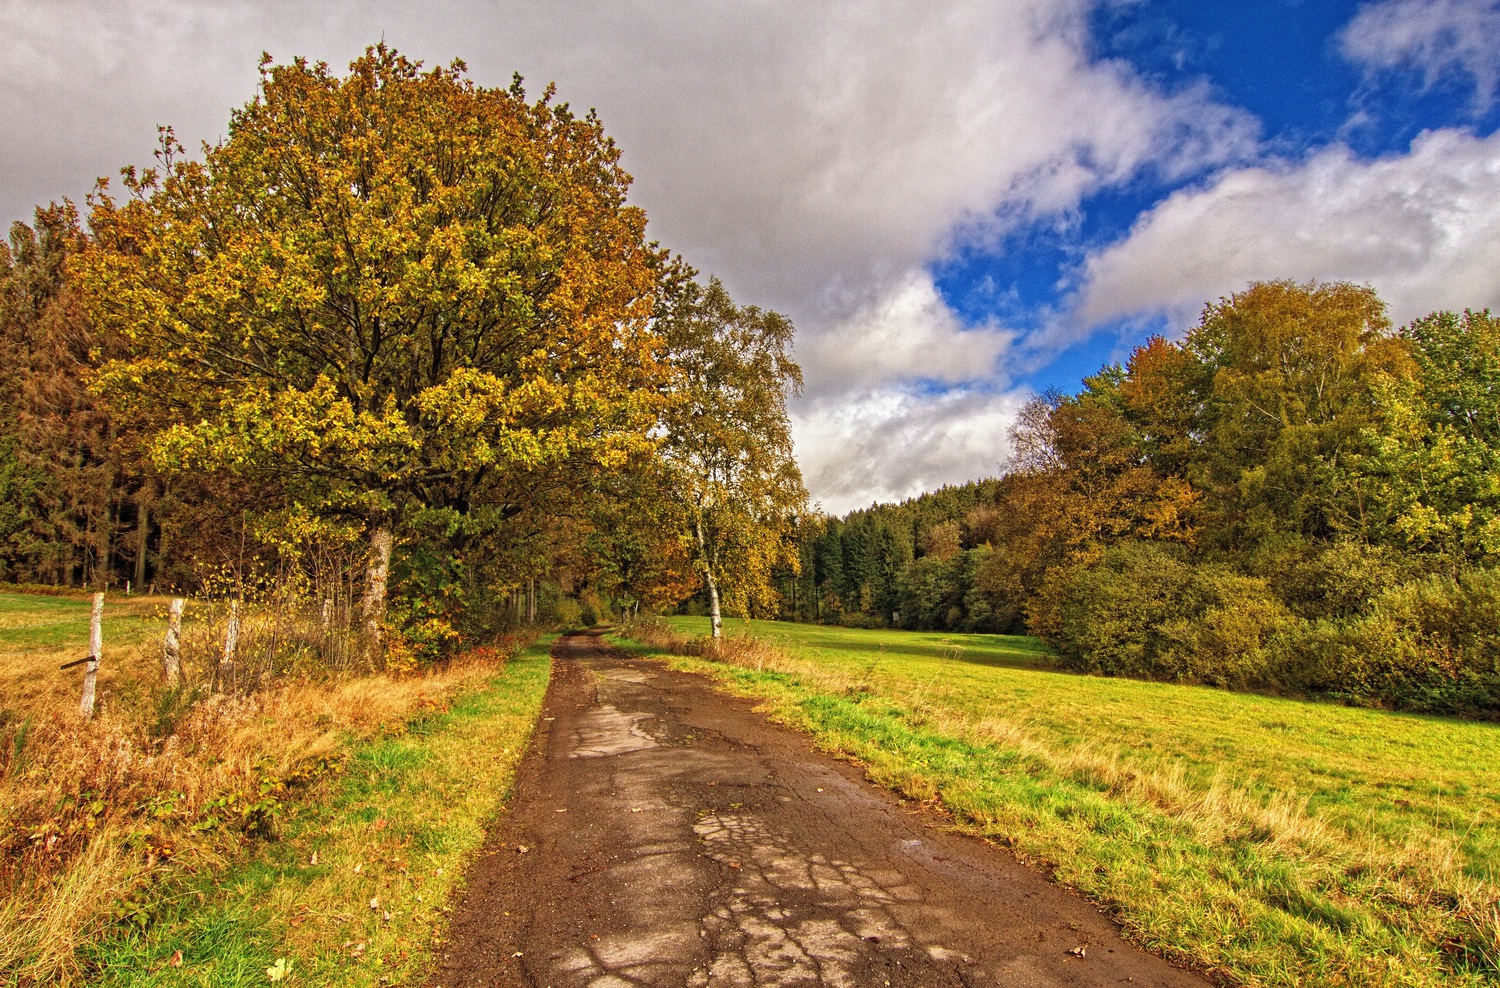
{"x": 1263, "y": 840}
{"x": 357, "y": 887}
{"x": 1297, "y": 497}
{"x": 105, "y": 823}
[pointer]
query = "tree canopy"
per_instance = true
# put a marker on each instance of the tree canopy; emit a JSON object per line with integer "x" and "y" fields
{"x": 388, "y": 292}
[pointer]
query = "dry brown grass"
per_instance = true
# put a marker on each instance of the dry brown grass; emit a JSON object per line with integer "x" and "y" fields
{"x": 93, "y": 814}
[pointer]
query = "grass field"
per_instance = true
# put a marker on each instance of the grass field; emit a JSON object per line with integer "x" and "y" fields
{"x": 37, "y": 634}
{"x": 1267, "y": 841}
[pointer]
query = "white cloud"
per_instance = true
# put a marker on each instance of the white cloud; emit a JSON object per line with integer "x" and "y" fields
{"x": 1434, "y": 37}
{"x": 895, "y": 441}
{"x": 1423, "y": 228}
{"x": 907, "y": 334}
{"x": 811, "y": 154}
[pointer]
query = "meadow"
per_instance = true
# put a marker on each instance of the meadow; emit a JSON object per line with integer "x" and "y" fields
{"x": 1265, "y": 841}
{"x": 191, "y": 837}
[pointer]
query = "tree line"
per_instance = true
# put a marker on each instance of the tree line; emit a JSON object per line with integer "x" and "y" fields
{"x": 401, "y": 336}
{"x": 1297, "y": 496}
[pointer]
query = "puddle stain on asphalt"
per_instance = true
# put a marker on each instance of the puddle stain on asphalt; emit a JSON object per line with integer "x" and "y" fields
{"x": 703, "y": 846}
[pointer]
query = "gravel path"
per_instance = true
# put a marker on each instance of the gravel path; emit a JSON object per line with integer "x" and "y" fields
{"x": 665, "y": 834}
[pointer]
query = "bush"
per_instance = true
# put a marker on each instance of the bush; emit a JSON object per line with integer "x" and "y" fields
{"x": 1430, "y": 645}
{"x": 1144, "y": 611}
{"x": 568, "y": 613}
{"x": 1328, "y": 580}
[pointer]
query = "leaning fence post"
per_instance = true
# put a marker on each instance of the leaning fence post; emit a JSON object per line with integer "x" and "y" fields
{"x": 171, "y": 649}
{"x": 96, "y": 646}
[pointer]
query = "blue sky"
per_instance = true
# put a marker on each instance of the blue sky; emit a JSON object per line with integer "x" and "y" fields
{"x": 1280, "y": 60}
{"x": 959, "y": 203}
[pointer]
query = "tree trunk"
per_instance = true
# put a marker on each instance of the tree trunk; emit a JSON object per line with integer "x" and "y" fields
{"x": 715, "y": 620}
{"x": 372, "y": 608}
{"x": 143, "y": 528}
{"x": 105, "y": 546}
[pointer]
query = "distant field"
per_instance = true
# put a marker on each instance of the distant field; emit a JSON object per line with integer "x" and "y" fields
{"x": 37, "y": 634}
{"x": 1274, "y": 841}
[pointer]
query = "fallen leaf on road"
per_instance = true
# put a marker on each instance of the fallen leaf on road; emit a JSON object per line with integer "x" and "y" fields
{"x": 1078, "y": 951}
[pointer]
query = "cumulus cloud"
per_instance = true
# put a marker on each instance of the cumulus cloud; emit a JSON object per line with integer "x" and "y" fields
{"x": 812, "y": 155}
{"x": 1433, "y": 37}
{"x": 1423, "y": 228}
{"x": 896, "y": 440}
{"x": 909, "y": 333}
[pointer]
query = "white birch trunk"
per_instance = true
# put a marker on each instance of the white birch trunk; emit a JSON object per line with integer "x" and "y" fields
{"x": 377, "y": 574}
{"x": 715, "y": 620}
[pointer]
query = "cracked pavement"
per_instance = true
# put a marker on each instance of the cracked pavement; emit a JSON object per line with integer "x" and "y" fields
{"x": 664, "y": 834}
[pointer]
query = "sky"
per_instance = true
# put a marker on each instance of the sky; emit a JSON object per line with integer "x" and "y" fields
{"x": 959, "y": 203}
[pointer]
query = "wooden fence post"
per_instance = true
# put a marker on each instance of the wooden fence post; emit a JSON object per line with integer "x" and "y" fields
{"x": 171, "y": 650}
{"x": 231, "y": 643}
{"x": 96, "y": 646}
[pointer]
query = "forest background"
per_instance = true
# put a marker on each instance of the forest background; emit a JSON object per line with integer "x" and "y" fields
{"x": 355, "y": 347}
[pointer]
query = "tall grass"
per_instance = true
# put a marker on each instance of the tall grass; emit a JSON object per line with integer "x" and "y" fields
{"x": 95, "y": 815}
{"x": 1270, "y": 841}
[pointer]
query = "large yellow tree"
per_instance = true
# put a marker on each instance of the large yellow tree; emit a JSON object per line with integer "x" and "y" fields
{"x": 387, "y": 291}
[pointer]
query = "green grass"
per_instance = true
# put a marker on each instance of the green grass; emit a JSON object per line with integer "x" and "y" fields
{"x": 354, "y": 891}
{"x": 1270, "y": 841}
{"x": 37, "y": 622}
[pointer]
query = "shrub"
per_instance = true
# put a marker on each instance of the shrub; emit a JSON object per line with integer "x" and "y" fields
{"x": 1328, "y": 580}
{"x": 1431, "y": 644}
{"x": 1144, "y": 611}
{"x": 568, "y": 613}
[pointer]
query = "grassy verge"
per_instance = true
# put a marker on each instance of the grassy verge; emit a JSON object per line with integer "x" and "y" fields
{"x": 1267, "y": 841}
{"x": 100, "y": 820}
{"x": 355, "y": 889}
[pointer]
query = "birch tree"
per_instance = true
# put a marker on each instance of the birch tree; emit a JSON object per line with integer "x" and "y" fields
{"x": 727, "y": 441}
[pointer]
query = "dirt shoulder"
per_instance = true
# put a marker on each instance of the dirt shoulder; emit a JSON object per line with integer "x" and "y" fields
{"x": 664, "y": 833}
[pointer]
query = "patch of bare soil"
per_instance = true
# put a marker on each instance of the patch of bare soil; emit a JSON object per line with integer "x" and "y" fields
{"x": 665, "y": 834}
